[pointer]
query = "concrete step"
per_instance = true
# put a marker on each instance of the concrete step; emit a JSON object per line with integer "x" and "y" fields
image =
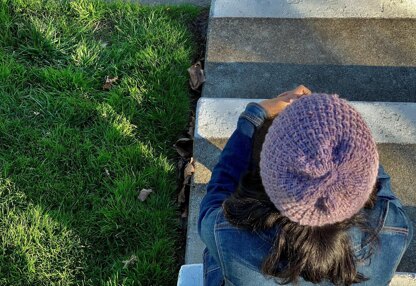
{"x": 384, "y": 9}
{"x": 363, "y": 51}
{"x": 192, "y": 275}
{"x": 393, "y": 126}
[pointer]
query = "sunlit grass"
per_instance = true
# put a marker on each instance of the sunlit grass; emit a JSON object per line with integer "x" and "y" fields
{"x": 72, "y": 156}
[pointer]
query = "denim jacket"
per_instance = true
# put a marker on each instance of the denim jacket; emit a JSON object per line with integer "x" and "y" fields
{"x": 234, "y": 256}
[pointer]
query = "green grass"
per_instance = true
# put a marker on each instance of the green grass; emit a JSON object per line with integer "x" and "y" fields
{"x": 73, "y": 156}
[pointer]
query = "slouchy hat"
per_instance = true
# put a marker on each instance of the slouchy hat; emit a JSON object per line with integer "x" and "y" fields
{"x": 319, "y": 161}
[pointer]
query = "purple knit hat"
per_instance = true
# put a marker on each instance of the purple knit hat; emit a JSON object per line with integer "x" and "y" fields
{"x": 319, "y": 161}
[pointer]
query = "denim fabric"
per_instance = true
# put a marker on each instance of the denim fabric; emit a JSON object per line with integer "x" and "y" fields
{"x": 212, "y": 271}
{"x": 234, "y": 256}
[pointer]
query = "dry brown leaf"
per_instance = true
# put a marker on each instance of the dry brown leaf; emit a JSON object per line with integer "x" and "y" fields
{"x": 129, "y": 261}
{"x": 109, "y": 81}
{"x": 185, "y": 213}
{"x": 189, "y": 169}
{"x": 187, "y": 174}
{"x": 144, "y": 193}
{"x": 184, "y": 147}
{"x": 196, "y": 74}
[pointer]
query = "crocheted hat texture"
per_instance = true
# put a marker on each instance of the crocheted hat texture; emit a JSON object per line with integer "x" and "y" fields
{"x": 319, "y": 161}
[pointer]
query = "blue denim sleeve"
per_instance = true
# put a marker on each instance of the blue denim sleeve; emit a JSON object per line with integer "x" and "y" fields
{"x": 385, "y": 187}
{"x": 233, "y": 162}
{"x": 387, "y": 193}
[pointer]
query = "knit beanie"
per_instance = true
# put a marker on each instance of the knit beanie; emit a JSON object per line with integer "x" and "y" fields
{"x": 319, "y": 161}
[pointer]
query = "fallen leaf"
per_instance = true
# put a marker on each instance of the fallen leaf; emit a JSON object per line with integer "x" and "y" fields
{"x": 109, "y": 81}
{"x": 187, "y": 174}
{"x": 184, "y": 147}
{"x": 189, "y": 168}
{"x": 144, "y": 193}
{"x": 184, "y": 214}
{"x": 196, "y": 74}
{"x": 129, "y": 261}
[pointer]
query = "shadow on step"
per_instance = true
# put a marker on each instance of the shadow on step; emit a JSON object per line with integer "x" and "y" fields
{"x": 353, "y": 82}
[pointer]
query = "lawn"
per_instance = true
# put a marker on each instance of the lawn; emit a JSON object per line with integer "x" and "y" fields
{"x": 73, "y": 156}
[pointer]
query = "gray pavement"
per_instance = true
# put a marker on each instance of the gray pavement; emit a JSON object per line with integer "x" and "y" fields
{"x": 314, "y": 9}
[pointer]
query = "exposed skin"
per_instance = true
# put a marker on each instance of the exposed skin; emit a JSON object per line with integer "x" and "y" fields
{"x": 276, "y": 105}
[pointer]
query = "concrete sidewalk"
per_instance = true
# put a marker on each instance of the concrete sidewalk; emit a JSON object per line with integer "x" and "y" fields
{"x": 192, "y": 275}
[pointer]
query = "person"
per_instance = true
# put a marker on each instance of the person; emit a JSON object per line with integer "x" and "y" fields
{"x": 299, "y": 197}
